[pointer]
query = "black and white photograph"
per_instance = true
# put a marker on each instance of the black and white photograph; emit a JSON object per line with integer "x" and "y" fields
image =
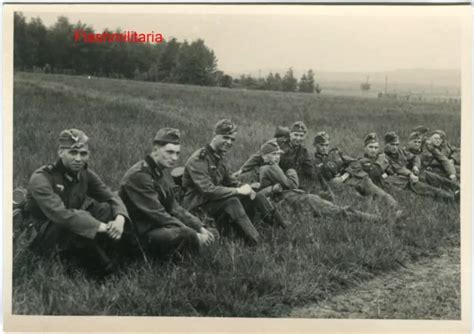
{"x": 243, "y": 162}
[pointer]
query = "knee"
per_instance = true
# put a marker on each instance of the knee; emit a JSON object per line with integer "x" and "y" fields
{"x": 233, "y": 207}
{"x": 164, "y": 237}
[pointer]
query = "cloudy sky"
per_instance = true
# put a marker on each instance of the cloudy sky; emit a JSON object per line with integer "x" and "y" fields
{"x": 324, "y": 38}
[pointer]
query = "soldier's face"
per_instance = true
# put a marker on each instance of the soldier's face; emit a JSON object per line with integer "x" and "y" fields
{"x": 167, "y": 155}
{"x": 271, "y": 158}
{"x": 223, "y": 143}
{"x": 372, "y": 149}
{"x": 322, "y": 148}
{"x": 393, "y": 146}
{"x": 296, "y": 138}
{"x": 436, "y": 140}
{"x": 74, "y": 159}
{"x": 414, "y": 144}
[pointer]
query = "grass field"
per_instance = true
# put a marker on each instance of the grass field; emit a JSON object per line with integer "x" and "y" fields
{"x": 311, "y": 261}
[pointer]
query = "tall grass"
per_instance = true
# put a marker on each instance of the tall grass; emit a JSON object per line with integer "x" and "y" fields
{"x": 310, "y": 261}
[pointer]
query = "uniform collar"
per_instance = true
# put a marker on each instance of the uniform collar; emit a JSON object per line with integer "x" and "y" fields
{"x": 369, "y": 157}
{"x": 213, "y": 153}
{"x": 317, "y": 154}
{"x": 68, "y": 174}
{"x": 156, "y": 168}
{"x": 412, "y": 150}
{"x": 391, "y": 154}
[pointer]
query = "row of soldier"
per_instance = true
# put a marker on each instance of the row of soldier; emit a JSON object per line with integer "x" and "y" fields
{"x": 69, "y": 211}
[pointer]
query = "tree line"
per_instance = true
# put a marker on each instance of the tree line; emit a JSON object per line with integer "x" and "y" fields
{"x": 53, "y": 50}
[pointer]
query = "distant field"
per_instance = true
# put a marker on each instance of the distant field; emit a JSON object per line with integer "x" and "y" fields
{"x": 309, "y": 262}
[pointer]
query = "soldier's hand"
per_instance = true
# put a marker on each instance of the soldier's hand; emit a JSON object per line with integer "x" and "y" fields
{"x": 416, "y": 171}
{"x": 115, "y": 227}
{"x": 277, "y": 188}
{"x": 205, "y": 239}
{"x": 384, "y": 175}
{"x": 338, "y": 180}
{"x": 452, "y": 177}
{"x": 252, "y": 195}
{"x": 413, "y": 178}
{"x": 102, "y": 228}
{"x": 255, "y": 185}
{"x": 245, "y": 190}
{"x": 208, "y": 233}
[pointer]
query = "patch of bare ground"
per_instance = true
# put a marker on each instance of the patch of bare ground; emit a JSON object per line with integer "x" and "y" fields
{"x": 427, "y": 289}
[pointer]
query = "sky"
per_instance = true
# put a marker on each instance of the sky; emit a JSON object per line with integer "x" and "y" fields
{"x": 339, "y": 38}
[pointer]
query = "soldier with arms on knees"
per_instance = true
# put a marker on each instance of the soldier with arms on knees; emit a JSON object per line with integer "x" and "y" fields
{"x": 73, "y": 211}
{"x": 337, "y": 168}
{"x": 147, "y": 189}
{"x": 210, "y": 185}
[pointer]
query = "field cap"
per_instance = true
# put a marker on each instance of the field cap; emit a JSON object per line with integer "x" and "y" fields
{"x": 270, "y": 147}
{"x": 168, "y": 136}
{"x": 414, "y": 135}
{"x": 371, "y": 138}
{"x": 321, "y": 138}
{"x": 225, "y": 127}
{"x": 420, "y": 129}
{"x": 298, "y": 127}
{"x": 391, "y": 137}
{"x": 73, "y": 138}
{"x": 282, "y": 132}
{"x": 441, "y": 133}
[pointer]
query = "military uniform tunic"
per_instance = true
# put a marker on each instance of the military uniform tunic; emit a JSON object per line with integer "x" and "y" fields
{"x": 66, "y": 210}
{"x": 336, "y": 163}
{"x": 298, "y": 158}
{"x": 433, "y": 159}
{"x": 148, "y": 192}
{"x": 61, "y": 198}
{"x": 400, "y": 177}
{"x": 210, "y": 185}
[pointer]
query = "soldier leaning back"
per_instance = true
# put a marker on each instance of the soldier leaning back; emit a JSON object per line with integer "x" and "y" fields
{"x": 73, "y": 211}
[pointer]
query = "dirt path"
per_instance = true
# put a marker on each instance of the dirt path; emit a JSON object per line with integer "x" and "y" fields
{"x": 429, "y": 289}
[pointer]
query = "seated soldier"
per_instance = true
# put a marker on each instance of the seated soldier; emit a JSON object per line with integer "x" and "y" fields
{"x": 210, "y": 185}
{"x": 413, "y": 152}
{"x": 403, "y": 178}
{"x": 433, "y": 159}
{"x": 263, "y": 167}
{"x": 296, "y": 156}
{"x": 373, "y": 162}
{"x": 73, "y": 212}
{"x": 147, "y": 189}
{"x": 336, "y": 168}
{"x": 422, "y": 131}
{"x": 452, "y": 152}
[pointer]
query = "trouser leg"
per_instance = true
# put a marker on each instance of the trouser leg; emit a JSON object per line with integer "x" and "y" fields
{"x": 167, "y": 241}
{"x": 370, "y": 189}
{"x": 92, "y": 254}
{"x": 438, "y": 181}
{"x": 231, "y": 215}
{"x": 425, "y": 189}
{"x": 323, "y": 207}
{"x": 260, "y": 204}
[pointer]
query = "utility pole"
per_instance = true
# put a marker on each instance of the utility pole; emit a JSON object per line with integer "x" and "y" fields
{"x": 386, "y": 84}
